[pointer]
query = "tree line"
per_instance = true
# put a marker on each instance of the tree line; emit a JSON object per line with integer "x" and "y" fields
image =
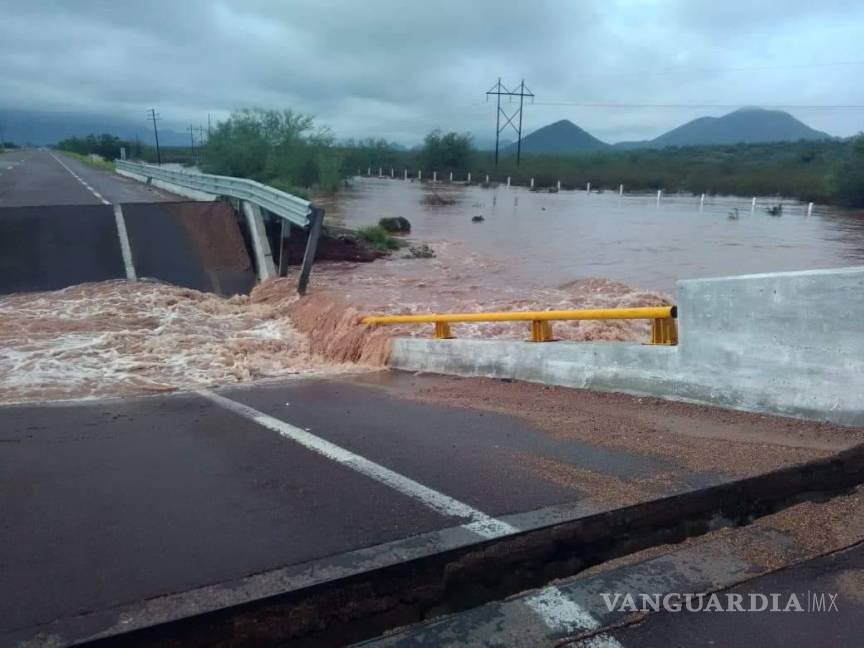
{"x": 288, "y": 150}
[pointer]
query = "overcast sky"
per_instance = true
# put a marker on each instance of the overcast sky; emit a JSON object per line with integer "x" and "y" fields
{"x": 399, "y": 69}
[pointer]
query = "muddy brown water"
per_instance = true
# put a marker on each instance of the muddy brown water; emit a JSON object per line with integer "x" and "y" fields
{"x": 531, "y": 251}
{"x": 550, "y": 239}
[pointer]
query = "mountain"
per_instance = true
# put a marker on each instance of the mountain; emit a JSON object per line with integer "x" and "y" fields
{"x": 561, "y": 137}
{"x": 745, "y": 125}
{"x": 44, "y": 128}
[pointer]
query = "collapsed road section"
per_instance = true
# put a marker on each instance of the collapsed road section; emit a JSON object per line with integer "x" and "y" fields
{"x": 192, "y": 244}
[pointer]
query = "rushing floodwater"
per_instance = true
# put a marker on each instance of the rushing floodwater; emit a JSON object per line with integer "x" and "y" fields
{"x": 532, "y": 252}
{"x": 544, "y": 239}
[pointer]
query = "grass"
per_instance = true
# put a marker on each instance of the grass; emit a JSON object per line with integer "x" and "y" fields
{"x": 96, "y": 163}
{"x": 378, "y": 236}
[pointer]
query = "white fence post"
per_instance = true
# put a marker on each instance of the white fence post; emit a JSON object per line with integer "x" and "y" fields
{"x": 532, "y": 183}
{"x": 369, "y": 171}
{"x": 620, "y": 190}
{"x": 508, "y": 181}
{"x": 469, "y": 177}
{"x": 405, "y": 176}
{"x": 588, "y": 188}
{"x": 487, "y": 179}
{"x": 702, "y": 202}
{"x": 434, "y": 177}
{"x": 391, "y": 172}
{"x": 810, "y": 209}
{"x": 379, "y": 172}
{"x": 659, "y": 195}
{"x": 420, "y": 174}
{"x": 558, "y": 185}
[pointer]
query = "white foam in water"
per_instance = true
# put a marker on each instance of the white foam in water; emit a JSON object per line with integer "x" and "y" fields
{"x": 117, "y": 338}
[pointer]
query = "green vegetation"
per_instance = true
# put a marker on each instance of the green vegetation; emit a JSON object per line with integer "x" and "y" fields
{"x": 830, "y": 171}
{"x": 287, "y": 150}
{"x": 280, "y": 148}
{"x": 395, "y": 225}
{"x": 105, "y": 145}
{"x": 96, "y": 163}
{"x": 378, "y": 236}
{"x": 449, "y": 152}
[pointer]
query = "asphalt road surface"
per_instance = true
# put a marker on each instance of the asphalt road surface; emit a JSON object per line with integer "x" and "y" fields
{"x": 125, "y": 500}
{"x": 827, "y": 611}
{"x": 32, "y": 177}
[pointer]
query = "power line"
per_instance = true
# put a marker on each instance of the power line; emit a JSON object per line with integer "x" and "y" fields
{"x": 582, "y": 104}
{"x": 499, "y": 90}
{"x": 155, "y": 116}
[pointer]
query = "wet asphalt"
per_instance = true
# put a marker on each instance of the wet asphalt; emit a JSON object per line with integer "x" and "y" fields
{"x": 32, "y": 177}
{"x": 111, "y": 502}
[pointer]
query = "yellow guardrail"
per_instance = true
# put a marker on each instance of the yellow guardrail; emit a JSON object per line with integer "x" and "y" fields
{"x": 664, "y": 329}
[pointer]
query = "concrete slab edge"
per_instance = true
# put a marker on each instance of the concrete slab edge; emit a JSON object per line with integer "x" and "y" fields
{"x": 364, "y": 593}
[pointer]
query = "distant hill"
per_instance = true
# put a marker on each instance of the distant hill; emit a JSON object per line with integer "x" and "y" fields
{"x": 561, "y": 137}
{"x": 45, "y": 128}
{"x": 748, "y": 125}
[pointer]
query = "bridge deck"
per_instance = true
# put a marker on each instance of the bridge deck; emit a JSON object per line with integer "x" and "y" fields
{"x": 144, "y": 497}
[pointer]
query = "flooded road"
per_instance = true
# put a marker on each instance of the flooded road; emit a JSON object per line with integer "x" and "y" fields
{"x": 532, "y": 251}
{"x": 550, "y": 239}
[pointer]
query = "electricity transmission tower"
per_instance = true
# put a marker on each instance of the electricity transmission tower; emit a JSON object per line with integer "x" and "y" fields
{"x": 499, "y": 90}
{"x": 155, "y": 116}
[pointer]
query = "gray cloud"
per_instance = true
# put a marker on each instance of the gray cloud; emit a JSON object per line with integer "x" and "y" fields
{"x": 399, "y": 69}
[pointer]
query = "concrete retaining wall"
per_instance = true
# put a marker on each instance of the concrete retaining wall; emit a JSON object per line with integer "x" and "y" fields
{"x": 783, "y": 343}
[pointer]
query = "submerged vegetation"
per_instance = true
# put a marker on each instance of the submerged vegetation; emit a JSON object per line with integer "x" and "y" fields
{"x": 378, "y": 237}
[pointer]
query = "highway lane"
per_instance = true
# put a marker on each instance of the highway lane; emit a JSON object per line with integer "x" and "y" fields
{"x": 34, "y": 177}
{"x": 126, "y": 500}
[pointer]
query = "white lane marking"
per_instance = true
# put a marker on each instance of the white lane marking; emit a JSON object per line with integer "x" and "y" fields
{"x": 125, "y": 248}
{"x": 79, "y": 179}
{"x": 558, "y": 612}
{"x": 483, "y": 525}
{"x": 562, "y": 614}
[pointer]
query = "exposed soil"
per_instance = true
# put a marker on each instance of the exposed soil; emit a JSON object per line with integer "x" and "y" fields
{"x": 701, "y": 438}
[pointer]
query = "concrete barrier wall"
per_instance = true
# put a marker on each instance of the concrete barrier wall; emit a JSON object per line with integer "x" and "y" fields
{"x": 783, "y": 343}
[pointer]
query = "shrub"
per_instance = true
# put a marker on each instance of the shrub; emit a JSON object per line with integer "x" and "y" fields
{"x": 397, "y": 225}
{"x": 378, "y": 236}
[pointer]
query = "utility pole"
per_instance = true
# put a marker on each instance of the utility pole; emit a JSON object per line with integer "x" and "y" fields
{"x": 155, "y": 116}
{"x": 499, "y": 90}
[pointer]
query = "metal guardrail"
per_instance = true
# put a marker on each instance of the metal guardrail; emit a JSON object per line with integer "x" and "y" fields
{"x": 282, "y": 204}
{"x": 664, "y": 329}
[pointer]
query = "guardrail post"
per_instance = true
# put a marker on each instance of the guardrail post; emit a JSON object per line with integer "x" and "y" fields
{"x": 316, "y": 219}
{"x": 541, "y": 331}
{"x": 260, "y": 244}
{"x": 664, "y": 331}
{"x": 442, "y": 331}
{"x": 284, "y": 235}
